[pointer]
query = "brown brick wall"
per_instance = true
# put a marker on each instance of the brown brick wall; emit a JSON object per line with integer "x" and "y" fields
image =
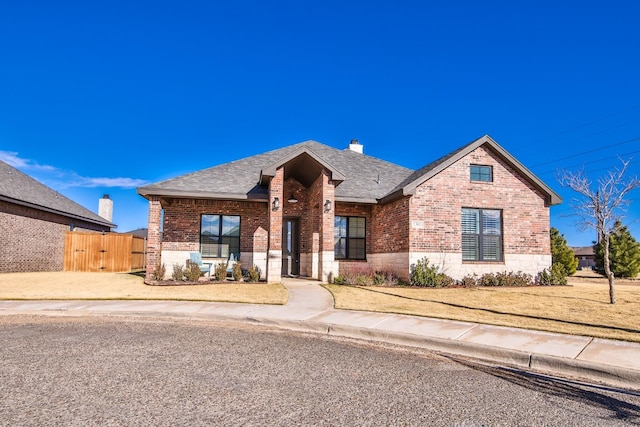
{"x": 435, "y": 214}
{"x": 33, "y": 240}
{"x": 352, "y": 209}
{"x": 182, "y": 220}
{"x": 390, "y": 232}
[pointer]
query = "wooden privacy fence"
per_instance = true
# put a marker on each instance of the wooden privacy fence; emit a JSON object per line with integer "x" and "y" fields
{"x": 103, "y": 252}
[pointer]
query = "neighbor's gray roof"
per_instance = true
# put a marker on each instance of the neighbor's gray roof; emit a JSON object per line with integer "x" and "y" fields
{"x": 361, "y": 178}
{"x": 366, "y": 178}
{"x": 19, "y": 188}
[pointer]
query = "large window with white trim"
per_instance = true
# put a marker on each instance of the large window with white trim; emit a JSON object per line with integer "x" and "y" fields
{"x": 220, "y": 235}
{"x": 349, "y": 234}
{"x": 481, "y": 234}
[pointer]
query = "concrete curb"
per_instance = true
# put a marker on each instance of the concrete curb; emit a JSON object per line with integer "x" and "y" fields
{"x": 575, "y": 369}
{"x": 605, "y": 374}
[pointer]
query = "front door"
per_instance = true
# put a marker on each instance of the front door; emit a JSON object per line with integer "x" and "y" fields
{"x": 290, "y": 247}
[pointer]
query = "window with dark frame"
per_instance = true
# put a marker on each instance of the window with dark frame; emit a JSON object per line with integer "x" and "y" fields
{"x": 350, "y": 237}
{"x": 481, "y": 173}
{"x": 481, "y": 234}
{"x": 220, "y": 236}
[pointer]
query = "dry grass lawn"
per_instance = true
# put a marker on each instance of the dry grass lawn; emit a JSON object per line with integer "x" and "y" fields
{"x": 581, "y": 309}
{"x": 124, "y": 286}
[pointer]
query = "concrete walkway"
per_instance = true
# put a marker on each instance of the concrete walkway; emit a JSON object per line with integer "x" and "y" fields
{"x": 310, "y": 309}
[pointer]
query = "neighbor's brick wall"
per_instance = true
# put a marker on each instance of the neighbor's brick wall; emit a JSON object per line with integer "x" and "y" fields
{"x": 33, "y": 240}
{"x": 435, "y": 209}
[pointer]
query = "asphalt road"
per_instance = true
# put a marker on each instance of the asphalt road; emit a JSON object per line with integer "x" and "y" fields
{"x": 116, "y": 371}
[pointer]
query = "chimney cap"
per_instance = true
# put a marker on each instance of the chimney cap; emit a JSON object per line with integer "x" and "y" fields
{"x": 106, "y": 196}
{"x": 356, "y": 146}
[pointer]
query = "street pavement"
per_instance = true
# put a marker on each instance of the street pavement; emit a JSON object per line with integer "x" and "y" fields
{"x": 310, "y": 309}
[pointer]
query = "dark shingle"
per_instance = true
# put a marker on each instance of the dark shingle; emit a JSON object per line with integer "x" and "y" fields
{"x": 366, "y": 177}
{"x": 18, "y": 187}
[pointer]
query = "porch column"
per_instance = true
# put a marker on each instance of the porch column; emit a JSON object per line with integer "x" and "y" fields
{"x": 328, "y": 266}
{"x": 154, "y": 243}
{"x": 274, "y": 254}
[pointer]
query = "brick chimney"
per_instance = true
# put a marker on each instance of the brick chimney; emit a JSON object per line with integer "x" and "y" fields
{"x": 354, "y": 145}
{"x": 105, "y": 208}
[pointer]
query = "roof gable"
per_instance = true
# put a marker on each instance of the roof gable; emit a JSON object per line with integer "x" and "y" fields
{"x": 409, "y": 185}
{"x": 365, "y": 179}
{"x": 19, "y": 188}
{"x": 306, "y": 165}
{"x": 361, "y": 178}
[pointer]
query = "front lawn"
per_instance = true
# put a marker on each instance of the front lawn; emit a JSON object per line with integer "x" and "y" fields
{"x": 124, "y": 286}
{"x": 581, "y": 309}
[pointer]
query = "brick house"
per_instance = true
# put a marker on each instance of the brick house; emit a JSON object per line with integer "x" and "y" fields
{"x": 34, "y": 220}
{"x": 313, "y": 210}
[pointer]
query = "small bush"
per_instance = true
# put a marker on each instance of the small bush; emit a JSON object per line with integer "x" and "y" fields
{"x": 221, "y": 272}
{"x": 385, "y": 278}
{"x": 178, "y": 272}
{"x": 254, "y": 274}
{"x": 469, "y": 281}
{"x": 237, "y": 272}
{"x": 192, "y": 272}
{"x": 425, "y": 274}
{"x": 159, "y": 271}
{"x": 510, "y": 279}
{"x": 555, "y": 275}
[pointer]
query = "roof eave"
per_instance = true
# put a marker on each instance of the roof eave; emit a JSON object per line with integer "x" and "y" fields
{"x": 361, "y": 200}
{"x": 104, "y": 223}
{"x": 146, "y": 192}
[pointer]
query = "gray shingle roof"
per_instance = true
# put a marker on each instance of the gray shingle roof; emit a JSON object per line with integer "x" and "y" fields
{"x": 362, "y": 178}
{"x": 17, "y": 187}
{"x": 366, "y": 178}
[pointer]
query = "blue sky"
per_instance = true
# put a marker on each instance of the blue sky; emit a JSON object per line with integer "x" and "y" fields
{"x": 102, "y": 97}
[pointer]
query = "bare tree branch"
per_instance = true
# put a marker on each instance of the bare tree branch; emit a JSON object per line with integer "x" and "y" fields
{"x": 599, "y": 207}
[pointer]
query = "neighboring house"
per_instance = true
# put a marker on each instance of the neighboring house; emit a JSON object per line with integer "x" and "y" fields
{"x": 313, "y": 210}
{"x": 138, "y": 232}
{"x": 34, "y": 220}
{"x": 586, "y": 257}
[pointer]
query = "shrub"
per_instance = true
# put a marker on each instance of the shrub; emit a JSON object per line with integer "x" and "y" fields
{"x": 159, "y": 271}
{"x": 178, "y": 272}
{"x": 221, "y": 272}
{"x": 254, "y": 274}
{"x": 488, "y": 279}
{"x": 469, "y": 281}
{"x": 385, "y": 278}
{"x": 192, "y": 272}
{"x": 425, "y": 274}
{"x": 505, "y": 279}
{"x": 237, "y": 272}
{"x": 555, "y": 275}
{"x": 561, "y": 252}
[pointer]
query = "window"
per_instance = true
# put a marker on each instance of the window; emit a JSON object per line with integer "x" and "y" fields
{"x": 481, "y": 173}
{"x": 349, "y": 237}
{"x": 481, "y": 235}
{"x": 220, "y": 236}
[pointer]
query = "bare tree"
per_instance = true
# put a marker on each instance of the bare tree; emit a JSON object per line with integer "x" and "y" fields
{"x": 599, "y": 206}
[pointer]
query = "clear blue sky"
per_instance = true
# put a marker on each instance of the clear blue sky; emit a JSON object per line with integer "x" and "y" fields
{"x": 102, "y": 97}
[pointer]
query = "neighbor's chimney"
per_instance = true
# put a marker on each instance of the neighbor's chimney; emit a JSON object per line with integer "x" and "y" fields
{"x": 354, "y": 145}
{"x": 105, "y": 208}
